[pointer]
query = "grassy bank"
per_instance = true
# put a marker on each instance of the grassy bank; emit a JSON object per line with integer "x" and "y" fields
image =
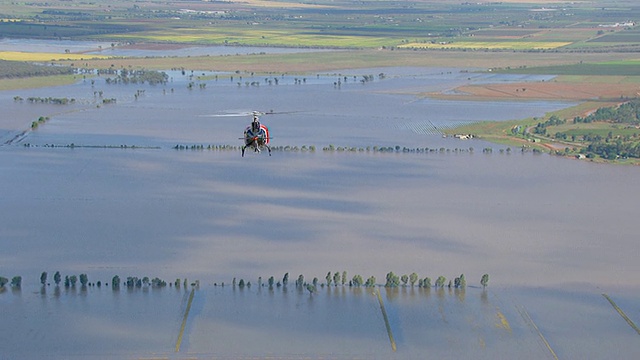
{"x": 38, "y": 82}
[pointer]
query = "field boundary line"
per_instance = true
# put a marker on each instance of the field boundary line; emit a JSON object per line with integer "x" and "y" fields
{"x": 528, "y": 319}
{"x": 386, "y": 320}
{"x": 184, "y": 321}
{"x": 624, "y": 316}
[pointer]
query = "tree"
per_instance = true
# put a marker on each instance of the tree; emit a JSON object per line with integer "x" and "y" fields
{"x": 485, "y": 280}
{"x": 3, "y": 281}
{"x": 336, "y": 278}
{"x": 357, "y": 280}
{"x": 311, "y": 288}
{"x": 413, "y": 278}
{"x": 115, "y": 282}
{"x": 73, "y": 280}
{"x": 404, "y": 279}
{"x": 426, "y": 282}
{"x": 57, "y": 277}
{"x": 328, "y": 278}
{"x": 270, "y": 282}
{"x": 16, "y": 281}
{"x": 300, "y": 281}
{"x": 285, "y": 279}
{"x": 463, "y": 281}
{"x": 343, "y": 280}
{"x": 43, "y": 278}
{"x": 440, "y": 281}
{"x": 84, "y": 280}
{"x": 371, "y": 281}
{"x": 393, "y": 280}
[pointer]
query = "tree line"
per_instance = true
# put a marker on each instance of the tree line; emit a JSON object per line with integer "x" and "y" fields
{"x": 334, "y": 279}
{"x": 341, "y": 279}
{"x": 125, "y": 76}
{"x": 71, "y": 281}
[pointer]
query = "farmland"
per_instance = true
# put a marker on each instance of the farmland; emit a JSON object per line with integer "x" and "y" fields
{"x": 344, "y": 24}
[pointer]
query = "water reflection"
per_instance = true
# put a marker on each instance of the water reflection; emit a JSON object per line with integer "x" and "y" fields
{"x": 525, "y": 219}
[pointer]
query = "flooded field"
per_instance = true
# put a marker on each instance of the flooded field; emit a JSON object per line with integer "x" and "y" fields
{"x": 554, "y": 234}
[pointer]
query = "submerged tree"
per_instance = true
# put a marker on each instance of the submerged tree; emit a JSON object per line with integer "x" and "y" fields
{"x": 84, "y": 279}
{"x": 485, "y": 280}
{"x": 413, "y": 278}
{"x": 371, "y": 281}
{"x": 115, "y": 282}
{"x": 336, "y": 278}
{"x": 393, "y": 280}
{"x": 404, "y": 279}
{"x": 3, "y": 281}
{"x": 57, "y": 277}
{"x": 311, "y": 288}
{"x": 43, "y": 278}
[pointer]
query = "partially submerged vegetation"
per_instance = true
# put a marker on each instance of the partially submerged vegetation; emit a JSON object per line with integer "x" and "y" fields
{"x": 570, "y": 40}
{"x": 331, "y": 279}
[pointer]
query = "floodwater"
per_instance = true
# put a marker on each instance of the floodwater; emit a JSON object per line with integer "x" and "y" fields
{"x": 554, "y": 234}
{"x": 133, "y": 50}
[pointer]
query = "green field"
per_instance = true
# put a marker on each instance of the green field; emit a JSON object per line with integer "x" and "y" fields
{"x": 324, "y": 23}
{"x": 629, "y": 67}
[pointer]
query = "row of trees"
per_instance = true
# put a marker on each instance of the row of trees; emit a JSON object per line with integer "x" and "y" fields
{"x": 331, "y": 279}
{"x": 341, "y": 279}
{"x": 41, "y": 120}
{"x": 71, "y": 281}
{"x": 125, "y": 76}
{"x": 16, "y": 281}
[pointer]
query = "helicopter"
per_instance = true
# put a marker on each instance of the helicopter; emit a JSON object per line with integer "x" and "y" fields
{"x": 256, "y": 136}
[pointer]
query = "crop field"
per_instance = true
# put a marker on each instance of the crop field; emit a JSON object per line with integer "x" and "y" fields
{"x": 492, "y": 45}
{"x": 505, "y": 32}
{"x": 345, "y": 24}
{"x": 629, "y": 67}
{"x": 256, "y": 36}
{"x": 44, "y": 57}
{"x": 627, "y": 36}
{"x": 602, "y": 129}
